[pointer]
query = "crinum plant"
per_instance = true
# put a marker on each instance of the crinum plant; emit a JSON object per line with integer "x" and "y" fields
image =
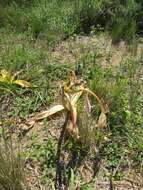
{"x": 7, "y": 79}
{"x": 71, "y": 92}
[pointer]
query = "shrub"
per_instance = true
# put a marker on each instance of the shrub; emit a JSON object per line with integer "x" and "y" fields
{"x": 55, "y": 20}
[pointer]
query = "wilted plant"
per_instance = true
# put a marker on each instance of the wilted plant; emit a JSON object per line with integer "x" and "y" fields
{"x": 71, "y": 91}
{"x": 6, "y": 78}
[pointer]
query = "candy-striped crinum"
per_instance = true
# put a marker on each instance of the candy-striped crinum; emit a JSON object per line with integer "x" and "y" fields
{"x": 71, "y": 92}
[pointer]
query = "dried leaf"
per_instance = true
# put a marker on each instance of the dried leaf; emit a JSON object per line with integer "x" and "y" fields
{"x": 66, "y": 101}
{"x": 73, "y": 130}
{"x": 71, "y": 93}
{"x": 73, "y": 115}
{"x": 100, "y": 103}
{"x": 75, "y": 97}
{"x": 102, "y": 121}
{"x": 5, "y": 76}
{"x": 70, "y": 107}
{"x": 22, "y": 83}
{"x": 48, "y": 113}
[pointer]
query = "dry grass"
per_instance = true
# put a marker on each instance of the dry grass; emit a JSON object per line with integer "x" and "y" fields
{"x": 11, "y": 168}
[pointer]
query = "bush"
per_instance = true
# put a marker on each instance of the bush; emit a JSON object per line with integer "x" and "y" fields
{"x": 55, "y": 20}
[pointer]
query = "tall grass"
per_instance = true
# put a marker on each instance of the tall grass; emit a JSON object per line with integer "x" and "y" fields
{"x": 11, "y": 168}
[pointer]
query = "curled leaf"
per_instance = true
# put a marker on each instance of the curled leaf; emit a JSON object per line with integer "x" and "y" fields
{"x": 100, "y": 103}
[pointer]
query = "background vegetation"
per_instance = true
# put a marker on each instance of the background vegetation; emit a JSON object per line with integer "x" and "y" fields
{"x": 49, "y": 19}
{"x": 44, "y": 39}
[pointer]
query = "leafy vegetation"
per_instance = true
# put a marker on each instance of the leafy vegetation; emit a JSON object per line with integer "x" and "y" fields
{"x": 56, "y": 20}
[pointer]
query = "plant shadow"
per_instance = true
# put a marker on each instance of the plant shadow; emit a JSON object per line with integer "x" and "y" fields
{"x": 64, "y": 165}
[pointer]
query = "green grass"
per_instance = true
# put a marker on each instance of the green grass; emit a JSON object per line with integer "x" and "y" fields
{"x": 30, "y": 41}
{"x": 119, "y": 87}
{"x": 55, "y": 20}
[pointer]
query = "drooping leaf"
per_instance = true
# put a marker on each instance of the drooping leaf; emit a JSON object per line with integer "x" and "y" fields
{"x": 71, "y": 92}
{"x": 102, "y": 121}
{"x": 7, "y": 78}
{"x": 48, "y": 113}
{"x": 22, "y": 83}
{"x": 100, "y": 103}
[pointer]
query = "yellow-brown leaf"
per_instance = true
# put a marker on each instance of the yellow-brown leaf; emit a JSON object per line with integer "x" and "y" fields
{"x": 48, "y": 113}
{"x": 102, "y": 121}
{"x": 5, "y": 76}
{"x": 75, "y": 97}
{"x": 22, "y": 83}
{"x": 73, "y": 130}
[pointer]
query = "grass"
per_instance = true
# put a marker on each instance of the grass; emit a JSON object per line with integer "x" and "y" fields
{"x": 44, "y": 45}
{"x": 11, "y": 168}
{"x": 120, "y": 88}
